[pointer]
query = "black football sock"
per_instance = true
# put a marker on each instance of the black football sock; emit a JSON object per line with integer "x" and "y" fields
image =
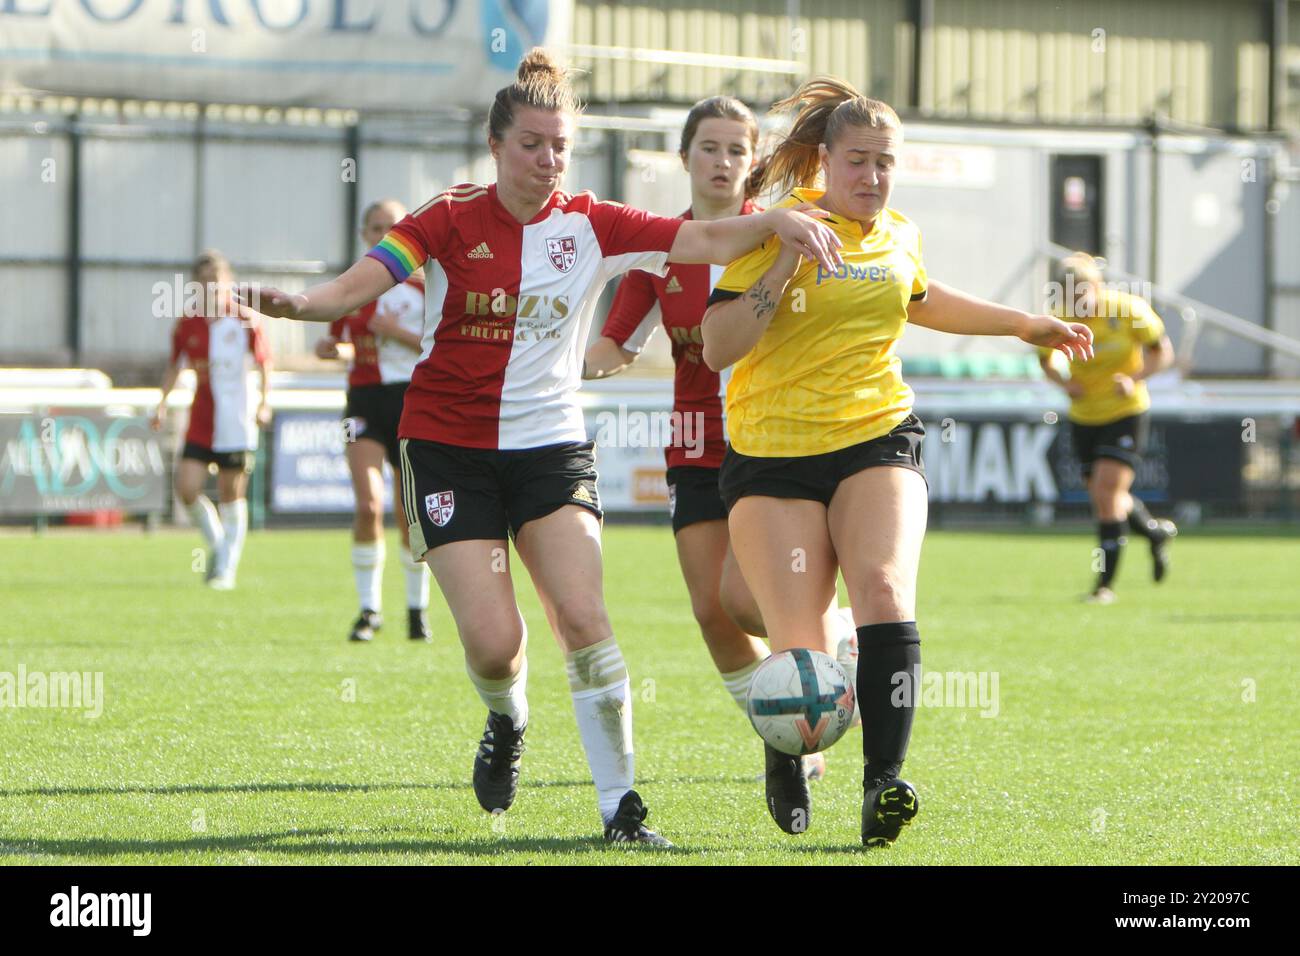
{"x": 1111, "y": 535}
{"x": 889, "y": 669}
{"x": 1140, "y": 520}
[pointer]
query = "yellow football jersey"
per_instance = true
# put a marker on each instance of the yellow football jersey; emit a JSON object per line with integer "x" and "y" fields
{"x": 824, "y": 375}
{"x": 1122, "y": 326}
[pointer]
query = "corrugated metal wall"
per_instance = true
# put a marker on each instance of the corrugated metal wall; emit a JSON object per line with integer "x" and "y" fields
{"x": 868, "y": 44}
{"x": 1202, "y": 62}
{"x": 1195, "y": 61}
{"x": 1291, "y": 115}
{"x": 267, "y": 195}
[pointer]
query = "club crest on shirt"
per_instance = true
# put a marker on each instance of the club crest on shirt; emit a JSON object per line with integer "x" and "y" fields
{"x": 563, "y": 252}
{"x": 440, "y": 506}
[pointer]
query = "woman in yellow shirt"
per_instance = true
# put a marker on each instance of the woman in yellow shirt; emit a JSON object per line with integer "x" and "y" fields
{"x": 824, "y": 471}
{"x": 1108, "y": 410}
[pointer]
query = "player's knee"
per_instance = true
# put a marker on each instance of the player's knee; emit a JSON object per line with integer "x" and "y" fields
{"x": 886, "y": 594}
{"x": 368, "y": 514}
{"x": 742, "y": 611}
{"x": 714, "y": 622}
{"x": 491, "y": 646}
{"x": 491, "y": 664}
{"x": 582, "y": 620}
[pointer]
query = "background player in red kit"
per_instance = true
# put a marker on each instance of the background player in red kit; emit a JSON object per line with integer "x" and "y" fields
{"x": 718, "y": 145}
{"x": 384, "y": 341}
{"x": 494, "y": 443}
{"x": 218, "y": 341}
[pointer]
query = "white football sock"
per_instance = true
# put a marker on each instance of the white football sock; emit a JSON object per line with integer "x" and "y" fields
{"x": 417, "y": 580}
{"x": 204, "y": 516}
{"x": 737, "y": 683}
{"x": 602, "y": 703}
{"x": 508, "y": 695}
{"x": 234, "y": 517}
{"x": 368, "y": 571}
{"x": 846, "y": 655}
{"x": 846, "y": 646}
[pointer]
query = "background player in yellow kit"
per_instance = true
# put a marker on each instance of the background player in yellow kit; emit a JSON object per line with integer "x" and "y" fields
{"x": 1108, "y": 409}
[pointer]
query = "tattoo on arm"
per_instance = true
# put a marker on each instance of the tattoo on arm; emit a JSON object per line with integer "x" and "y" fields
{"x": 764, "y": 303}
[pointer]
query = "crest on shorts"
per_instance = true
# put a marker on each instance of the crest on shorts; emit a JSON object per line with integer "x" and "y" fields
{"x": 353, "y": 428}
{"x": 563, "y": 252}
{"x": 440, "y": 506}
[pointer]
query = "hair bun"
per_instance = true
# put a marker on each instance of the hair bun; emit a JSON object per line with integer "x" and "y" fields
{"x": 538, "y": 62}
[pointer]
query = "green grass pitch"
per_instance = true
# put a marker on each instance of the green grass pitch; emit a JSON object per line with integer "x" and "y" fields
{"x": 1160, "y": 730}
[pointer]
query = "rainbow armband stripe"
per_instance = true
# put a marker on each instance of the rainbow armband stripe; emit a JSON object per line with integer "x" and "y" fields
{"x": 398, "y": 254}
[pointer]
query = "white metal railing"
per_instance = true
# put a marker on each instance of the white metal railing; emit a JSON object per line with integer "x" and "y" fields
{"x": 680, "y": 58}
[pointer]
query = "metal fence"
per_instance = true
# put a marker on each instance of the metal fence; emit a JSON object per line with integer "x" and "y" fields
{"x": 100, "y": 208}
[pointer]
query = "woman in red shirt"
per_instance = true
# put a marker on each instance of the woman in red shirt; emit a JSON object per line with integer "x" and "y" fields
{"x": 219, "y": 339}
{"x": 382, "y": 339}
{"x": 494, "y": 444}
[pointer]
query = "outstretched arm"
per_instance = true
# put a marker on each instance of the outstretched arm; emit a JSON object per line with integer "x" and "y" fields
{"x": 945, "y": 309}
{"x": 722, "y": 241}
{"x": 366, "y": 280}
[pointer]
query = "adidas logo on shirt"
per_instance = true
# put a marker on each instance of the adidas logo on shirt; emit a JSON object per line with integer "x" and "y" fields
{"x": 582, "y": 494}
{"x": 481, "y": 251}
{"x": 673, "y": 285}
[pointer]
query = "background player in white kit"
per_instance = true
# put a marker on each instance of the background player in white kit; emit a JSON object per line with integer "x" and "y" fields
{"x": 493, "y": 439}
{"x": 219, "y": 341}
{"x": 383, "y": 343}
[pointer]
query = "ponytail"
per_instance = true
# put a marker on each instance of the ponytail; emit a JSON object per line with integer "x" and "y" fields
{"x": 823, "y": 107}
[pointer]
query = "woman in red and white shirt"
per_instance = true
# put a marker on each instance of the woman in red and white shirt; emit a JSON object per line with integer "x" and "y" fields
{"x": 494, "y": 443}
{"x": 382, "y": 339}
{"x": 219, "y": 340}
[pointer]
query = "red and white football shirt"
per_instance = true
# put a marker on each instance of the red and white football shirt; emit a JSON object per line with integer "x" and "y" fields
{"x": 508, "y": 306}
{"x": 380, "y": 360}
{"x": 682, "y": 294}
{"x": 219, "y": 350}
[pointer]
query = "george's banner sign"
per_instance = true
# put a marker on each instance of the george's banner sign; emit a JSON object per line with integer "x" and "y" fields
{"x": 397, "y": 55}
{"x": 59, "y": 463}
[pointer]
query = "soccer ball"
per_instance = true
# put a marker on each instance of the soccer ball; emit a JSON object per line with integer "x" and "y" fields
{"x": 800, "y": 701}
